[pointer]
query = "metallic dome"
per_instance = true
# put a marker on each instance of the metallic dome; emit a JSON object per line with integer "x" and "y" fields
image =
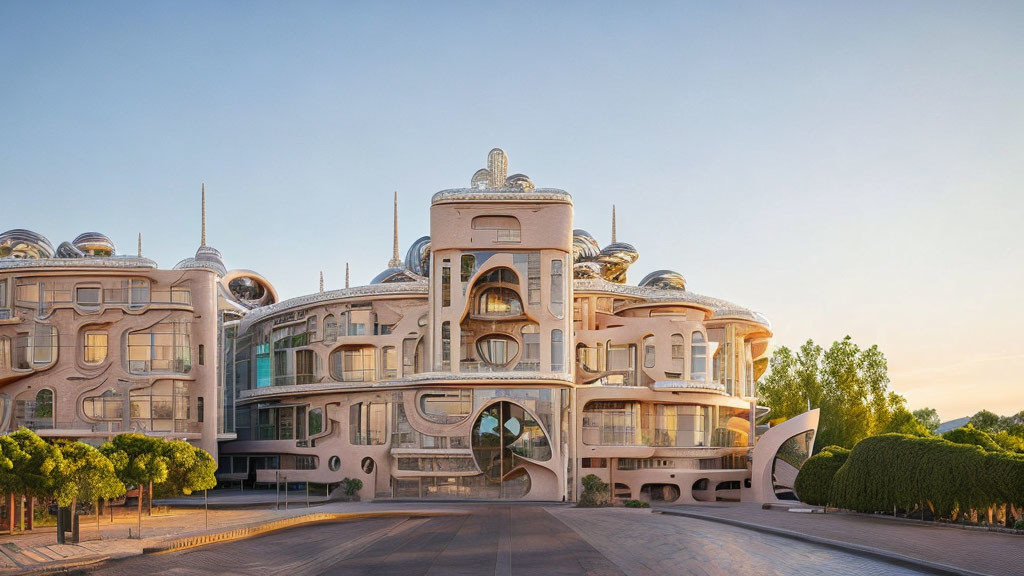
{"x": 417, "y": 259}
{"x": 584, "y": 247}
{"x": 614, "y": 259}
{"x": 586, "y": 270}
{"x": 94, "y": 244}
{"x": 68, "y": 250}
{"x": 206, "y": 257}
{"x": 249, "y": 289}
{"x": 24, "y": 245}
{"x": 393, "y": 274}
{"x": 665, "y": 280}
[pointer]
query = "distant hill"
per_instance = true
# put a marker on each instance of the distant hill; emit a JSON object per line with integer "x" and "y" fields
{"x": 952, "y": 424}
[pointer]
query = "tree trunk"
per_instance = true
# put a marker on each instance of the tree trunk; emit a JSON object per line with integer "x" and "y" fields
{"x": 98, "y": 519}
{"x": 31, "y": 510}
{"x": 10, "y": 512}
{"x": 150, "y": 498}
{"x": 74, "y": 521}
{"x": 139, "y": 535}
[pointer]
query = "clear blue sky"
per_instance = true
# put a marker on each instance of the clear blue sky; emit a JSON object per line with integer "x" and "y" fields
{"x": 841, "y": 168}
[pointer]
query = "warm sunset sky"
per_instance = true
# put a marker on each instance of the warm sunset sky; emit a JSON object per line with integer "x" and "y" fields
{"x": 844, "y": 168}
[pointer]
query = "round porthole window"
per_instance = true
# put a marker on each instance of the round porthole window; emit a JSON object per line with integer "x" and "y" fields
{"x": 368, "y": 465}
{"x": 334, "y": 463}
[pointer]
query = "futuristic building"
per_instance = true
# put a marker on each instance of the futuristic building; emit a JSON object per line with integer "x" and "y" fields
{"x": 505, "y": 356}
{"x": 94, "y": 343}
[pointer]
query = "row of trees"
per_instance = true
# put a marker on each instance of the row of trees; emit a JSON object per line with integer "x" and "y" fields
{"x": 957, "y": 475}
{"x": 74, "y": 472}
{"x": 1007, "y": 431}
{"x": 849, "y": 384}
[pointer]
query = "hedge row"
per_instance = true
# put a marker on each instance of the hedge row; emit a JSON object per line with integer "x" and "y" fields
{"x": 898, "y": 471}
{"x": 814, "y": 483}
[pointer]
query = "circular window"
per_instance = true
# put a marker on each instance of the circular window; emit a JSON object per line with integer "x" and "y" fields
{"x": 503, "y": 435}
{"x": 368, "y": 465}
{"x": 334, "y": 463}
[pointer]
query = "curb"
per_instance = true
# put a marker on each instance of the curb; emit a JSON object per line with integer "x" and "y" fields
{"x": 82, "y": 566}
{"x": 250, "y": 531}
{"x": 875, "y": 553}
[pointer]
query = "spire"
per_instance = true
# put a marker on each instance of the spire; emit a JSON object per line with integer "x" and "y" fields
{"x": 140, "y": 244}
{"x": 613, "y": 223}
{"x": 203, "y": 241}
{"x": 395, "y": 260}
{"x": 321, "y": 280}
{"x": 346, "y": 274}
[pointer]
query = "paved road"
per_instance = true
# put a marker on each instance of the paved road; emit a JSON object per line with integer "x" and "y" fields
{"x": 505, "y": 540}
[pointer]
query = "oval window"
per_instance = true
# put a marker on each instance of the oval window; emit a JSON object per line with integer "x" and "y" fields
{"x": 368, "y": 465}
{"x": 334, "y": 463}
{"x": 497, "y": 350}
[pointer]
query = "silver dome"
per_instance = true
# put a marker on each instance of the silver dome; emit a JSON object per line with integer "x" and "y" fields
{"x": 25, "y": 245}
{"x": 94, "y": 244}
{"x": 417, "y": 259}
{"x": 665, "y": 280}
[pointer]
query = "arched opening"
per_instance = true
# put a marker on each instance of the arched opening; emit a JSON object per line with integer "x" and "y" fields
{"x": 659, "y": 492}
{"x": 702, "y": 492}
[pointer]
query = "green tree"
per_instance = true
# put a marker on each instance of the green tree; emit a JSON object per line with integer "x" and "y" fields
{"x": 138, "y": 461}
{"x": 84, "y": 475}
{"x": 985, "y": 421}
{"x": 189, "y": 469}
{"x": 849, "y": 385}
{"x": 33, "y": 461}
{"x": 929, "y": 418}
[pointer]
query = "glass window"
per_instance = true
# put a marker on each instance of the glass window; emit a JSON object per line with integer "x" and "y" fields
{"x": 311, "y": 328}
{"x": 557, "y": 351}
{"x": 389, "y": 362}
{"x": 21, "y": 347}
{"x": 698, "y": 356}
{"x": 88, "y": 298}
{"x": 446, "y": 345}
{"x": 105, "y": 407}
{"x": 165, "y": 347}
{"x": 499, "y": 275}
{"x": 497, "y": 350}
{"x": 305, "y": 367}
{"x": 499, "y": 301}
{"x": 678, "y": 353}
{"x": 358, "y": 321}
{"x": 447, "y": 407}
{"x": 533, "y": 278}
{"x": 334, "y": 463}
{"x": 316, "y": 421}
{"x": 621, "y": 361}
{"x": 44, "y": 344}
{"x": 353, "y": 364}
{"x": 468, "y": 267}
{"x": 649, "y": 351}
{"x": 5, "y": 353}
{"x": 162, "y": 407}
{"x": 95, "y": 350}
{"x": 368, "y": 423}
{"x": 262, "y": 365}
{"x": 557, "y": 304}
{"x": 446, "y": 286}
{"x": 330, "y": 328}
{"x": 139, "y": 290}
{"x": 3, "y": 294}
{"x": 531, "y": 349}
{"x": 408, "y": 356}
{"x": 506, "y": 228}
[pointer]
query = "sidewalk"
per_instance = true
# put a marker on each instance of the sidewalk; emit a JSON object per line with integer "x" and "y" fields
{"x": 38, "y": 550}
{"x": 965, "y": 551}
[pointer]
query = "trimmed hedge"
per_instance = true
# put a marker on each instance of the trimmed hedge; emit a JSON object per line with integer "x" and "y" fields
{"x": 971, "y": 435}
{"x": 893, "y": 471}
{"x": 814, "y": 482}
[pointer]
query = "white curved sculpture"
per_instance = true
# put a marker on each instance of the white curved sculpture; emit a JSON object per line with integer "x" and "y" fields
{"x": 762, "y": 482}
